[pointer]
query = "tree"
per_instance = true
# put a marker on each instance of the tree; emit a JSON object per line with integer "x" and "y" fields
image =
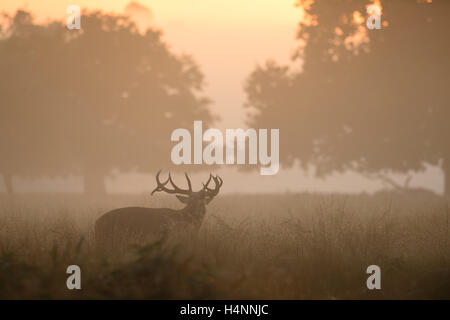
{"x": 374, "y": 101}
{"x": 89, "y": 101}
{"x": 25, "y": 53}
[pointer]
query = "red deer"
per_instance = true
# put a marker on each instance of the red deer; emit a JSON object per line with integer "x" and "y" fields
{"x": 157, "y": 221}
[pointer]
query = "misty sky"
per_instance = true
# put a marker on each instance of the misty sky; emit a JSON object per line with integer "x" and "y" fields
{"x": 227, "y": 39}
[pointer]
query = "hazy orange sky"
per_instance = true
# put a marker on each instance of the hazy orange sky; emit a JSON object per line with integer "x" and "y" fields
{"x": 227, "y": 38}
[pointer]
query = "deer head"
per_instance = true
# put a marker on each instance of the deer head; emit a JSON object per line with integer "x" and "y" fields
{"x": 195, "y": 200}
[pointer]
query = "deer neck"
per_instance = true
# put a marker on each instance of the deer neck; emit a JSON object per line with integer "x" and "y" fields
{"x": 194, "y": 212}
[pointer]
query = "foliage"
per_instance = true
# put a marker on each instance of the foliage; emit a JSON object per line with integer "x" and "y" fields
{"x": 92, "y": 100}
{"x": 292, "y": 246}
{"x": 365, "y": 100}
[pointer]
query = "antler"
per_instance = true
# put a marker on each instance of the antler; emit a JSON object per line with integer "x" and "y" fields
{"x": 161, "y": 186}
{"x": 217, "y": 182}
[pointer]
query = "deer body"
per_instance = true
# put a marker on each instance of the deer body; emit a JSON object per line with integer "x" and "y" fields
{"x": 157, "y": 221}
{"x": 146, "y": 220}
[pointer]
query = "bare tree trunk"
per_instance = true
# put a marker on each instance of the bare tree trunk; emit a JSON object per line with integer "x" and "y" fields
{"x": 94, "y": 182}
{"x": 7, "y": 178}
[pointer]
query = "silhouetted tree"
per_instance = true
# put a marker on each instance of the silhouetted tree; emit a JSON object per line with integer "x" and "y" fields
{"x": 375, "y": 101}
{"x": 92, "y": 100}
{"x": 28, "y": 97}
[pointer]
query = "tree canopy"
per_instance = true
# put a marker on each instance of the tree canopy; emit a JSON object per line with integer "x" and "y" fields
{"x": 373, "y": 101}
{"x": 91, "y": 100}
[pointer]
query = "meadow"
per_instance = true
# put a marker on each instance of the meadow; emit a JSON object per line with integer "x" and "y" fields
{"x": 286, "y": 246}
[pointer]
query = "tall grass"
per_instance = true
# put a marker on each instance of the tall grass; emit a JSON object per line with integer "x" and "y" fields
{"x": 292, "y": 246}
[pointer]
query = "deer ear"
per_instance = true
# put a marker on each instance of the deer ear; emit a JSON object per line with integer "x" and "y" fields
{"x": 183, "y": 199}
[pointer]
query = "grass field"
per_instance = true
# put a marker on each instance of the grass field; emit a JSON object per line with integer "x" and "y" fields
{"x": 291, "y": 246}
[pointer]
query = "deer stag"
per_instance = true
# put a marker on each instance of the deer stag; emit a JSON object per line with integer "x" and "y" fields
{"x": 156, "y": 221}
